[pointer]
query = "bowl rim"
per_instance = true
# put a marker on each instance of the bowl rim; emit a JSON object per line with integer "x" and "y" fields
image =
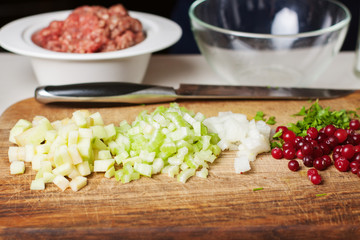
{"x": 16, "y": 37}
{"x": 343, "y": 23}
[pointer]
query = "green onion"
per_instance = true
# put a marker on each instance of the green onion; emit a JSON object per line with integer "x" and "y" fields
{"x": 321, "y": 194}
{"x": 257, "y": 189}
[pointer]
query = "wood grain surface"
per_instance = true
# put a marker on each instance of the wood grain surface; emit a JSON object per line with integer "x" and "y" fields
{"x": 223, "y": 206}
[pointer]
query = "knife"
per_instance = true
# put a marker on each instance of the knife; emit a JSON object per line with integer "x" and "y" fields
{"x": 133, "y": 93}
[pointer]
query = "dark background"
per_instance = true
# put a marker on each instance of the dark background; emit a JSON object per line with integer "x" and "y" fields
{"x": 176, "y": 10}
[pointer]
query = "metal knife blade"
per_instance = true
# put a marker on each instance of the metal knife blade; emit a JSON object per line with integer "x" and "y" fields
{"x": 132, "y": 93}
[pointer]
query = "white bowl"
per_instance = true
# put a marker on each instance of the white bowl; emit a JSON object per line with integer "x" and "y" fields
{"x": 56, "y": 68}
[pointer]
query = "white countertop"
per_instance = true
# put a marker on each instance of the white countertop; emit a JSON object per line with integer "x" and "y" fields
{"x": 19, "y": 82}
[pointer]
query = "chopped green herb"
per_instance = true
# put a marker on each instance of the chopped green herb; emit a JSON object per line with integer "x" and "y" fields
{"x": 321, "y": 194}
{"x": 257, "y": 189}
{"x": 260, "y": 116}
{"x": 275, "y": 144}
{"x": 278, "y": 134}
{"x": 271, "y": 121}
{"x": 319, "y": 117}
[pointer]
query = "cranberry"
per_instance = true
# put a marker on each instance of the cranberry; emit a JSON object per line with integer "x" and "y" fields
{"x": 358, "y": 173}
{"x": 299, "y": 154}
{"x": 317, "y": 152}
{"x": 329, "y": 130}
{"x": 355, "y": 164}
{"x": 316, "y": 179}
{"x": 322, "y": 130}
{"x": 325, "y": 148}
{"x": 308, "y": 161}
{"x": 356, "y": 157}
{"x": 321, "y": 137}
{"x": 319, "y": 164}
{"x": 337, "y": 149}
{"x": 293, "y": 165}
{"x": 298, "y": 139}
{"x": 307, "y": 149}
{"x": 288, "y": 136}
{"x": 312, "y": 171}
{"x": 277, "y": 153}
{"x": 289, "y": 153}
{"x": 355, "y": 138}
{"x": 312, "y": 132}
{"x": 287, "y": 145}
{"x": 347, "y": 151}
{"x": 341, "y": 135}
{"x": 357, "y": 148}
{"x": 342, "y": 164}
{"x": 332, "y": 141}
{"x": 327, "y": 160}
{"x": 336, "y": 155}
{"x": 299, "y": 144}
{"x": 282, "y": 128}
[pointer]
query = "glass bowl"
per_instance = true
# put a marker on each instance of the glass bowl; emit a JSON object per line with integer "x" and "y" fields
{"x": 269, "y": 43}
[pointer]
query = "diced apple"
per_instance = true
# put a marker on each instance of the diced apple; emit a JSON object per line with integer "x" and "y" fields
{"x": 73, "y": 137}
{"x": 110, "y": 131}
{"x": 13, "y": 153}
{"x": 34, "y": 135}
{"x": 110, "y": 172}
{"x": 64, "y": 169}
{"x": 17, "y": 167}
{"x": 61, "y": 182}
{"x": 74, "y": 173}
{"x": 21, "y": 126}
{"x": 103, "y": 165}
{"x": 37, "y": 184}
{"x": 48, "y": 177}
{"x": 99, "y": 131}
{"x": 36, "y": 161}
{"x": 85, "y": 133}
{"x": 97, "y": 119}
{"x": 104, "y": 154}
{"x": 77, "y": 183}
{"x": 29, "y": 152}
{"x": 79, "y": 117}
{"x": 75, "y": 155}
{"x": 85, "y": 148}
{"x": 84, "y": 168}
{"x": 99, "y": 145}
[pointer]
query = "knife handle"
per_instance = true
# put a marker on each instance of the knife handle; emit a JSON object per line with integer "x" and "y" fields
{"x": 105, "y": 92}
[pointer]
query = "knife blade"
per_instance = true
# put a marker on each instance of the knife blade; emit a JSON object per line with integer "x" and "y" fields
{"x": 133, "y": 93}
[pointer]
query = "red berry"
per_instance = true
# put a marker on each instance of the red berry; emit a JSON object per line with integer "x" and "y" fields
{"x": 312, "y": 171}
{"x": 325, "y": 148}
{"x": 347, "y": 151}
{"x": 289, "y": 153}
{"x": 282, "y": 128}
{"x": 357, "y": 148}
{"x": 308, "y": 161}
{"x": 332, "y": 142}
{"x": 354, "y": 124}
{"x": 299, "y": 154}
{"x": 307, "y": 149}
{"x": 288, "y": 136}
{"x": 293, "y": 165}
{"x": 316, "y": 179}
{"x": 277, "y": 153}
{"x": 319, "y": 164}
{"x": 327, "y": 160}
{"x": 287, "y": 145}
{"x": 329, "y": 130}
{"x": 341, "y": 135}
{"x": 312, "y": 132}
{"x": 342, "y": 164}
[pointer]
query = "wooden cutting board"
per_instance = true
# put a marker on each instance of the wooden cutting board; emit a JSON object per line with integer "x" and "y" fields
{"x": 223, "y": 206}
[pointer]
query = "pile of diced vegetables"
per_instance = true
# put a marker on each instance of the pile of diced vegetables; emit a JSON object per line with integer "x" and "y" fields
{"x": 170, "y": 140}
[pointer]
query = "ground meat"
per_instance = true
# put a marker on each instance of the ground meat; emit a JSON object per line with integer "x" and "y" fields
{"x": 90, "y": 29}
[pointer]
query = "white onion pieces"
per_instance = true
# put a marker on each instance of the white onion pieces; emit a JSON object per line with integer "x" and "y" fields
{"x": 249, "y": 138}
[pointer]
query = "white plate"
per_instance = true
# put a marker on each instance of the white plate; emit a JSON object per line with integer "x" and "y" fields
{"x": 16, "y": 37}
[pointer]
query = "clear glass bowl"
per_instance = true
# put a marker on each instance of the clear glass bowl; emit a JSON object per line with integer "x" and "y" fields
{"x": 269, "y": 43}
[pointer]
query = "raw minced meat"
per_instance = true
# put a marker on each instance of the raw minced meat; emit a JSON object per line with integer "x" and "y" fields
{"x": 90, "y": 29}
